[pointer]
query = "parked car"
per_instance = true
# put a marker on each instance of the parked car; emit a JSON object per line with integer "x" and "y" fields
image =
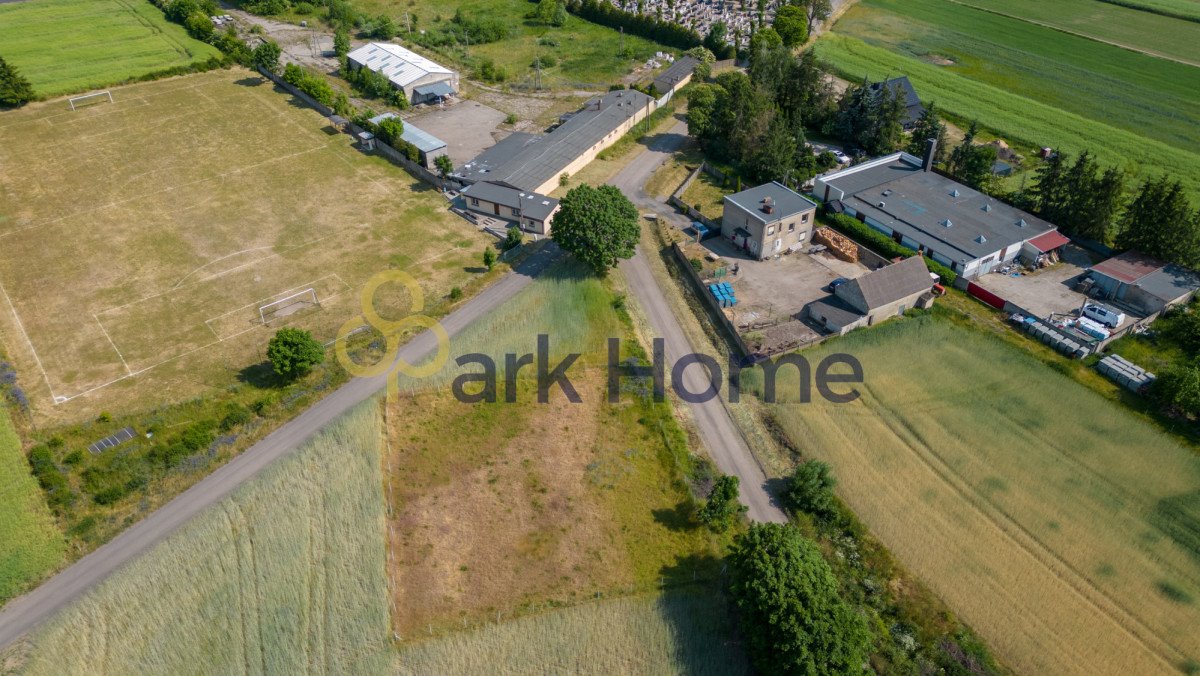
{"x": 841, "y": 157}
{"x": 836, "y": 283}
{"x": 1106, "y": 316}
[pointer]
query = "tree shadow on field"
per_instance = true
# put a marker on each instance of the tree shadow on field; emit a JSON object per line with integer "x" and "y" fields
{"x": 677, "y": 518}
{"x": 706, "y": 640}
{"x": 251, "y": 81}
{"x": 475, "y": 269}
{"x": 776, "y": 488}
{"x": 260, "y": 375}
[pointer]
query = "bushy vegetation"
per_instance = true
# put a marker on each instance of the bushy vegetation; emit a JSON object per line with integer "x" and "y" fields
{"x": 882, "y": 244}
{"x": 309, "y": 83}
{"x": 15, "y": 90}
{"x": 598, "y": 226}
{"x": 722, "y": 507}
{"x": 810, "y": 489}
{"x": 30, "y": 544}
{"x": 294, "y": 352}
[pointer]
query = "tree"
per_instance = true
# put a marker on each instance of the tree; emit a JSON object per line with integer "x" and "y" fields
{"x": 15, "y": 90}
{"x": 791, "y": 23}
{"x": 1178, "y": 389}
{"x": 1159, "y": 222}
{"x": 762, "y": 42}
{"x": 266, "y": 56}
{"x": 341, "y": 42}
{"x": 817, "y": 10}
{"x": 599, "y": 226}
{"x": 706, "y": 58}
{"x": 444, "y": 165}
{"x": 717, "y": 40}
{"x": 294, "y": 352}
{"x": 1049, "y": 196}
{"x": 560, "y": 15}
{"x": 773, "y": 156}
{"x": 390, "y": 131}
{"x": 489, "y": 257}
{"x": 811, "y": 489}
{"x": 972, "y": 164}
{"x": 930, "y": 126}
{"x": 702, "y": 101}
{"x": 793, "y": 616}
{"x": 199, "y": 26}
{"x": 513, "y": 238}
{"x": 722, "y": 505}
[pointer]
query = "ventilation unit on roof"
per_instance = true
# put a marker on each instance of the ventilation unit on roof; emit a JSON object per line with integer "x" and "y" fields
{"x": 946, "y": 223}
{"x": 881, "y": 205}
{"x": 987, "y": 207}
{"x": 1021, "y": 223}
{"x": 887, "y": 192}
{"x": 981, "y": 239}
{"x": 954, "y": 193}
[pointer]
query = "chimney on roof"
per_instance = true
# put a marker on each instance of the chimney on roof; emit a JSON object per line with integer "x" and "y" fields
{"x": 768, "y": 205}
{"x": 930, "y": 151}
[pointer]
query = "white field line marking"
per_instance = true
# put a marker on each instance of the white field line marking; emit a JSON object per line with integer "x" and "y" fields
{"x": 301, "y": 287}
{"x": 218, "y": 260}
{"x": 21, "y": 327}
{"x": 114, "y": 345}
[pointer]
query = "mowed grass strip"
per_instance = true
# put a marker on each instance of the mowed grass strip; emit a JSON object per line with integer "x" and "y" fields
{"x": 285, "y": 576}
{"x": 1184, "y": 9}
{"x": 66, "y": 46}
{"x": 1015, "y": 117}
{"x": 1141, "y": 94}
{"x": 1056, "y": 523}
{"x": 30, "y": 544}
{"x": 676, "y": 633}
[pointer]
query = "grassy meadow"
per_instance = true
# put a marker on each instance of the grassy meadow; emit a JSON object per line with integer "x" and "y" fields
{"x": 1017, "y": 118}
{"x": 200, "y": 199}
{"x": 1057, "y": 524}
{"x": 285, "y": 576}
{"x": 30, "y": 543}
{"x": 1137, "y": 93}
{"x": 1184, "y": 9}
{"x": 67, "y": 46}
{"x": 675, "y": 633}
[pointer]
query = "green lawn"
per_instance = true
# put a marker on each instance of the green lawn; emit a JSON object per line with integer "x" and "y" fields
{"x": 30, "y": 543}
{"x": 1187, "y": 9}
{"x": 1016, "y": 117}
{"x": 1140, "y": 94}
{"x": 67, "y": 46}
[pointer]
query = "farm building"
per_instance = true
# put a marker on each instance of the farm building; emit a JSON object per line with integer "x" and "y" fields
{"x": 406, "y": 70}
{"x": 913, "y": 110}
{"x": 427, "y": 144}
{"x": 534, "y": 163}
{"x": 530, "y": 211}
{"x": 677, "y": 76}
{"x": 876, "y": 296}
{"x": 1147, "y": 284}
{"x": 768, "y": 219}
{"x": 901, "y": 196}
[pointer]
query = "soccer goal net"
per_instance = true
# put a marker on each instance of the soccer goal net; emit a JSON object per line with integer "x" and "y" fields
{"x": 290, "y": 305}
{"x": 80, "y": 101}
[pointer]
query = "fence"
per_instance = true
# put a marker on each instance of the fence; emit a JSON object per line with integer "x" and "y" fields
{"x": 710, "y": 303}
{"x": 676, "y": 200}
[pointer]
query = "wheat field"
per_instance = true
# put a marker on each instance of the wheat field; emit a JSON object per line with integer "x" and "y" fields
{"x": 1059, "y": 525}
{"x": 285, "y": 576}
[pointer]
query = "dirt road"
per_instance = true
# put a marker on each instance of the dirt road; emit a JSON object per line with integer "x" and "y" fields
{"x": 24, "y": 613}
{"x": 717, "y": 429}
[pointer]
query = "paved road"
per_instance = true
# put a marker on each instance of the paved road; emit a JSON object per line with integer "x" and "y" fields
{"x": 717, "y": 429}
{"x": 23, "y": 614}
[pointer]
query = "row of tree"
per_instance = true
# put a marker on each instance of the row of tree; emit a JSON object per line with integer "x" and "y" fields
{"x": 643, "y": 25}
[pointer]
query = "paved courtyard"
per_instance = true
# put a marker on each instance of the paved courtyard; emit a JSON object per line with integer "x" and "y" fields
{"x": 466, "y": 126}
{"x": 1047, "y": 291}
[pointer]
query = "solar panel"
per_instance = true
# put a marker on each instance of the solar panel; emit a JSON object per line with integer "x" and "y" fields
{"x": 120, "y": 437}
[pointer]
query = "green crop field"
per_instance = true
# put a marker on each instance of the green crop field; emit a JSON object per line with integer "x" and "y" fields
{"x": 676, "y": 633}
{"x": 1055, "y": 522}
{"x": 1140, "y": 94}
{"x": 586, "y": 55}
{"x": 67, "y": 46}
{"x": 285, "y": 576}
{"x": 1186, "y": 9}
{"x": 1013, "y": 116}
{"x": 30, "y": 544}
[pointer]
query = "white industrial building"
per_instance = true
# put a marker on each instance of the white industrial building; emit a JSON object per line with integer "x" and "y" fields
{"x": 420, "y": 79}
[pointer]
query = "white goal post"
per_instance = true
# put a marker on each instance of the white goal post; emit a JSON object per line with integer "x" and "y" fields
{"x": 288, "y": 306}
{"x": 85, "y": 97}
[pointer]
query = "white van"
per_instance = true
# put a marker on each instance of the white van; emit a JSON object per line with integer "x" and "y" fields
{"x": 1108, "y": 317}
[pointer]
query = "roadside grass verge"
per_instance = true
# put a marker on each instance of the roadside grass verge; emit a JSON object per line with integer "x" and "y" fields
{"x": 707, "y": 195}
{"x": 675, "y": 633}
{"x": 30, "y": 544}
{"x": 1011, "y": 116}
{"x": 286, "y": 576}
{"x": 67, "y": 46}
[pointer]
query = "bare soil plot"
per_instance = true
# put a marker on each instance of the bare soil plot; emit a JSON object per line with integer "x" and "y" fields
{"x": 139, "y": 238}
{"x": 1056, "y": 523}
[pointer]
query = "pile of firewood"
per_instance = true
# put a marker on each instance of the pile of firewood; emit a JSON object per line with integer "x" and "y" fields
{"x": 837, "y": 243}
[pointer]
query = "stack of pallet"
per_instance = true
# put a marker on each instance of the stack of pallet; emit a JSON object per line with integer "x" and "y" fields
{"x": 837, "y": 243}
{"x": 1125, "y": 373}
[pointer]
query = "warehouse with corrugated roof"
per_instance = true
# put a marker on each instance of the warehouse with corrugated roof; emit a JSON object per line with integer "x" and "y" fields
{"x": 406, "y": 70}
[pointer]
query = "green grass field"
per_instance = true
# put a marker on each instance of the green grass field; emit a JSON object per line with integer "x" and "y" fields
{"x": 30, "y": 544}
{"x": 1140, "y": 94}
{"x": 1015, "y": 117}
{"x": 67, "y": 46}
{"x": 587, "y": 55}
{"x": 1057, "y": 524}
{"x": 676, "y": 633}
{"x": 1187, "y": 9}
{"x": 285, "y": 576}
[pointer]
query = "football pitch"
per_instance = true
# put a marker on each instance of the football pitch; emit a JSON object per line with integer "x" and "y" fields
{"x": 139, "y": 238}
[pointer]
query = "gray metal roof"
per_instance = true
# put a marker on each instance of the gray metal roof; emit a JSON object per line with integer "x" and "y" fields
{"x": 956, "y": 221}
{"x": 401, "y": 66}
{"x": 912, "y": 103}
{"x": 528, "y": 162}
{"x": 787, "y": 202}
{"x": 1170, "y": 283}
{"x": 531, "y": 204}
{"x": 679, "y": 70}
{"x": 423, "y": 140}
{"x": 442, "y": 88}
{"x": 835, "y": 310}
{"x": 887, "y": 284}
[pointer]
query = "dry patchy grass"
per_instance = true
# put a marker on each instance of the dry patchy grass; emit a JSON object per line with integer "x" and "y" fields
{"x": 135, "y": 258}
{"x": 1056, "y": 523}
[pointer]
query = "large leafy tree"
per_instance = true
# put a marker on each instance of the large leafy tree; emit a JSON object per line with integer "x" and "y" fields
{"x": 793, "y": 616}
{"x": 817, "y": 10}
{"x": 599, "y": 226}
{"x": 15, "y": 90}
{"x": 791, "y": 22}
{"x": 1159, "y": 222}
{"x": 972, "y": 163}
{"x": 294, "y": 352}
{"x": 266, "y": 56}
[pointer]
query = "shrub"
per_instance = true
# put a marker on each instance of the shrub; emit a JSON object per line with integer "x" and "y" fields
{"x": 544, "y": 61}
{"x": 884, "y": 245}
{"x": 489, "y": 257}
{"x": 110, "y": 495}
{"x": 513, "y": 238}
{"x": 304, "y": 8}
{"x": 266, "y": 56}
{"x": 722, "y": 505}
{"x": 50, "y": 478}
{"x": 199, "y": 26}
{"x": 307, "y": 82}
{"x": 73, "y": 458}
{"x": 488, "y": 71}
{"x": 456, "y": 293}
{"x": 697, "y": 264}
{"x": 511, "y": 118}
{"x": 811, "y": 489}
{"x": 235, "y": 414}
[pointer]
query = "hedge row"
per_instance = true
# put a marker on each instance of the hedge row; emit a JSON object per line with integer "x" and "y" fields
{"x": 884, "y": 245}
